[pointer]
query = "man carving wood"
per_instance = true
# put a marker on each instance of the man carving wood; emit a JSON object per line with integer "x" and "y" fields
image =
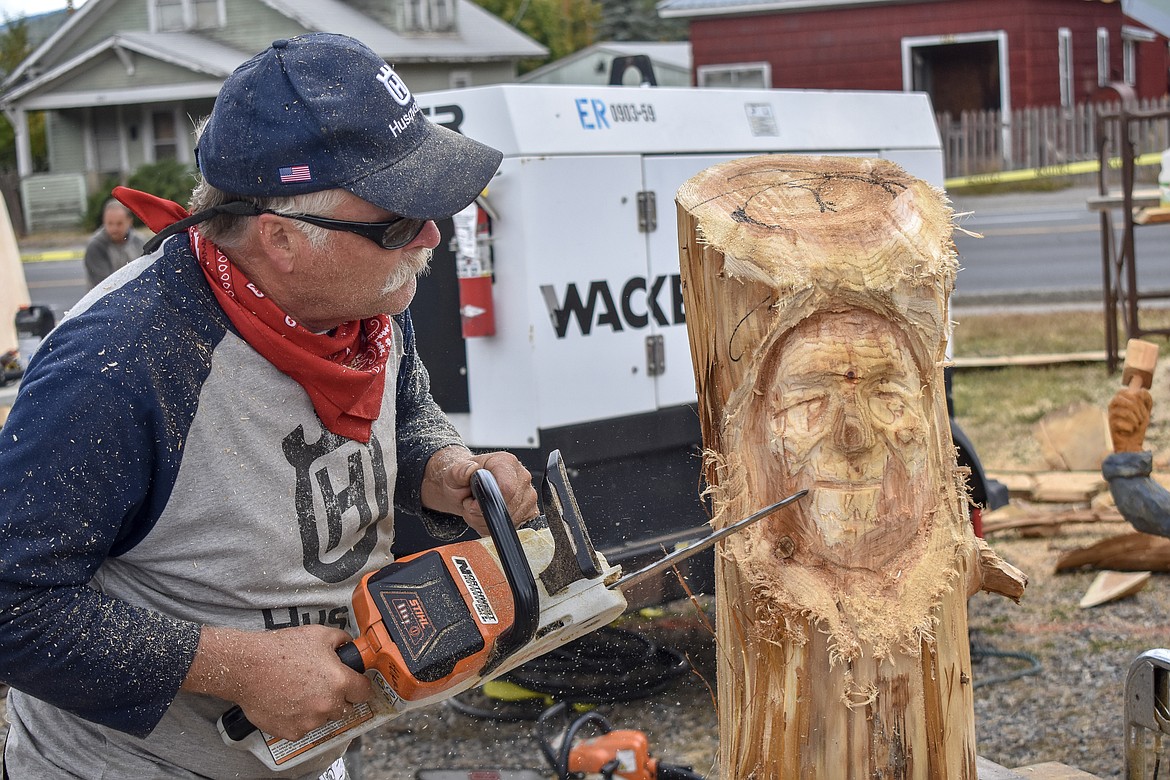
{"x": 816, "y": 293}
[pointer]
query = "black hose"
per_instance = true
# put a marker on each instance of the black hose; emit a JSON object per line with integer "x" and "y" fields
{"x": 608, "y": 666}
{"x": 981, "y": 651}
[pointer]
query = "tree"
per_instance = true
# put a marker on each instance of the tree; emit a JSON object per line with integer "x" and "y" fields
{"x": 637, "y": 20}
{"x": 15, "y": 46}
{"x": 563, "y": 26}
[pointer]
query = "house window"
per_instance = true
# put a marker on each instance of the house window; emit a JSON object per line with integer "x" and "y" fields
{"x": 751, "y": 75}
{"x": 183, "y": 15}
{"x": 1131, "y": 40}
{"x": 424, "y": 15}
{"x": 1064, "y": 54}
{"x": 165, "y": 137}
{"x": 1102, "y": 56}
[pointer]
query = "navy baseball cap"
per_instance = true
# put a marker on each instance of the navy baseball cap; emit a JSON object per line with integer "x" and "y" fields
{"x": 323, "y": 111}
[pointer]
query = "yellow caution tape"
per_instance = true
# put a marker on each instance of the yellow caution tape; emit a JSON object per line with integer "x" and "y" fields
{"x": 1046, "y": 172}
{"x": 60, "y": 254}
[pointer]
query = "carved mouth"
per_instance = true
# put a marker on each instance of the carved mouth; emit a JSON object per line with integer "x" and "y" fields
{"x": 844, "y": 516}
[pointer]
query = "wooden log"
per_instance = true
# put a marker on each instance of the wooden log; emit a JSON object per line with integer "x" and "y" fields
{"x": 816, "y": 295}
{"x": 1112, "y": 585}
{"x": 1132, "y": 551}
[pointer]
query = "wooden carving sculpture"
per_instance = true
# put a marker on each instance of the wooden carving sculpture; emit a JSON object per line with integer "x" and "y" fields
{"x": 816, "y": 293}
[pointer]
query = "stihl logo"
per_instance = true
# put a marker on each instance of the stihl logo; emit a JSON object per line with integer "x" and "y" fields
{"x": 479, "y": 598}
{"x": 412, "y": 617}
{"x": 639, "y": 302}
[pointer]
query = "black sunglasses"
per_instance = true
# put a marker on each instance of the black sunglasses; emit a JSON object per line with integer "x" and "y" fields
{"x": 393, "y": 234}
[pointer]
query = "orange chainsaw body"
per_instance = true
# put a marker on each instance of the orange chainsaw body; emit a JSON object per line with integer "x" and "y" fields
{"x": 628, "y": 748}
{"x": 432, "y": 620}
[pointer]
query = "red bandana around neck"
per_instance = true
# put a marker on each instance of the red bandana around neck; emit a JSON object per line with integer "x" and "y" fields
{"x": 343, "y": 371}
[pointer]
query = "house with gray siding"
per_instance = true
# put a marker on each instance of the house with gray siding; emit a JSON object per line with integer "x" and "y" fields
{"x": 124, "y": 82}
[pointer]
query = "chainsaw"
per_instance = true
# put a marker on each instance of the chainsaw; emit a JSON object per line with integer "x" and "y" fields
{"x": 611, "y": 754}
{"x": 436, "y": 623}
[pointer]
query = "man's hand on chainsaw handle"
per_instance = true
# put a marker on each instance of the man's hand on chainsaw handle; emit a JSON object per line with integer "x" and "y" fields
{"x": 447, "y": 485}
{"x": 288, "y": 682}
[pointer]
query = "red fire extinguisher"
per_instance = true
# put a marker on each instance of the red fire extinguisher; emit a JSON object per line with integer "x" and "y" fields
{"x": 473, "y": 268}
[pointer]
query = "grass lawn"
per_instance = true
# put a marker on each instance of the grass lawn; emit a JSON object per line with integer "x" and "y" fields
{"x": 998, "y": 407}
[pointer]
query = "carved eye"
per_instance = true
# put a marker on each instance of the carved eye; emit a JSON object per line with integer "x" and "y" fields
{"x": 799, "y": 412}
{"x": 888, "y": 403}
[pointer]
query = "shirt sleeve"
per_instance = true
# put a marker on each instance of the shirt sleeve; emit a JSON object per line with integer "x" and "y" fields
{"x": 97, "y": 263}
{"x": 422, "y": 430}
{"x": 1143, "y": 502}
{"x": 80, "y": 455}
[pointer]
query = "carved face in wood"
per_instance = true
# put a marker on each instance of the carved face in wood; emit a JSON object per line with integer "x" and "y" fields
{"x": 844, "y": 415}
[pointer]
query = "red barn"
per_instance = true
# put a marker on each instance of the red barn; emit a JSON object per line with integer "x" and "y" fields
{"x": 967, "y": 54}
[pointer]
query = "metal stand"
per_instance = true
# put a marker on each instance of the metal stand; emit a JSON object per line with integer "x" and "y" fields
{"x": 1147, "y": 696}
{"x": 1119, "y": 262}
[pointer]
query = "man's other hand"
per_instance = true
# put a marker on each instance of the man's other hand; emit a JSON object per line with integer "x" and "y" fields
{"x": 447, "y": 485}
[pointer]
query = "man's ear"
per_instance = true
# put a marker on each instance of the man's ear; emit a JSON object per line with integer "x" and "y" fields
{"x": 278, "y": 241}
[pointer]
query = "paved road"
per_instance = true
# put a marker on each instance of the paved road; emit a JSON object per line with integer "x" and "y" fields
{"x": 56, "y": 284}
{"x": 1043, "y": 247}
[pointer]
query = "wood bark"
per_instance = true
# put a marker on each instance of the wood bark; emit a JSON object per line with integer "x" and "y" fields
{"x": 816, "y": 295}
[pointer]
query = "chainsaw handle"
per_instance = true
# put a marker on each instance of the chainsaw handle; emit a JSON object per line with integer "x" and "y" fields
{"x": 525, "y": 597}
{"x": 235, "y": 723}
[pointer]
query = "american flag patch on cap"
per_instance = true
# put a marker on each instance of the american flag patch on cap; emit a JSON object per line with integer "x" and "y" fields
{"x": 295, "y": 173}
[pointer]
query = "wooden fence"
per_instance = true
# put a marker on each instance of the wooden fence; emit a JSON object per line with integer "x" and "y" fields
{"x": 983, "y": 142}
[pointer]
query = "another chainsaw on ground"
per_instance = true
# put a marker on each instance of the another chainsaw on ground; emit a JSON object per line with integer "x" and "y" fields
{"x": 610, "y": 754}
{"x": 436, "y": 623}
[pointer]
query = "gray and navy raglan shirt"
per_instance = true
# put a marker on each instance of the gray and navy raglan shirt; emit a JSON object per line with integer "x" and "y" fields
{"x": 159, "y": 474}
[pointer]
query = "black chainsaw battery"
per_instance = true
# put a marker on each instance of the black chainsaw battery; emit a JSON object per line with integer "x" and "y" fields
{"x": 424, "y": 612}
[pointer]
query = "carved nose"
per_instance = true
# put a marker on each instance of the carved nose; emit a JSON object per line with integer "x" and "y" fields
{"x": 852, "y": 431}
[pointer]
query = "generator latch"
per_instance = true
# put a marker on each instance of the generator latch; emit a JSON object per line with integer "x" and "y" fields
{"x": 647, "y": 212}
{"x": 655, "y": 356}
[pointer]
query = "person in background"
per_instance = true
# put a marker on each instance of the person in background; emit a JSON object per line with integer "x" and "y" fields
{"x": 113, "y": 245}
{"x": 214, "y": 446}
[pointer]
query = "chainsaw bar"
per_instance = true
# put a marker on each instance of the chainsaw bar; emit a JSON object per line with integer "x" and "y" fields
{"x": 702, "y": 544}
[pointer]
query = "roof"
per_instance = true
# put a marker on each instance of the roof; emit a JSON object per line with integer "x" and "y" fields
{"x": 1152, "y": 13}
{"x": 676, "y": 8}
{"x": 213, "y": 62}
{"x": 672, "y": 54}
{"x": 186, "y": 50}
{"x": 481, "y": 37}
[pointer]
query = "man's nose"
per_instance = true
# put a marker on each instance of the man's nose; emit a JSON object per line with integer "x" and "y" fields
{"x": 852, "y": 428}
{"x": 428, "y": 236}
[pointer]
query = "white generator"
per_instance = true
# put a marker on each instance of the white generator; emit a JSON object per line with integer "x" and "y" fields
{"x": 557, "y": 321}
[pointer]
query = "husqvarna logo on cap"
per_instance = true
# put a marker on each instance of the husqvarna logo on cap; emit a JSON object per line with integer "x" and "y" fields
{"x": 394, "y": 85}
{"x": 401, "y": 94}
